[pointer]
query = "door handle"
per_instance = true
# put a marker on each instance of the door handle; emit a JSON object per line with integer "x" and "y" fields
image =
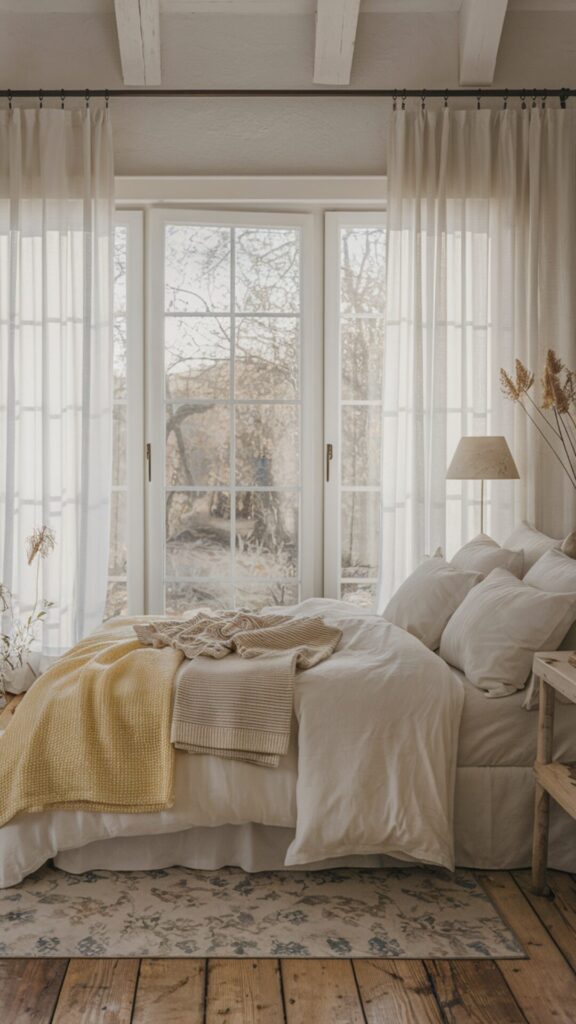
{"x": 329, "y": 457}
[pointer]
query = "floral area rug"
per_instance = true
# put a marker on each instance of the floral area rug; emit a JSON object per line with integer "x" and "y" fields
{"x": 345, "y": 912}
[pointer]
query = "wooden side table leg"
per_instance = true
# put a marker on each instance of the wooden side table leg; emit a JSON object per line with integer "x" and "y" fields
{"x": 542, "y": 799}
{"x": 540, "y": 840}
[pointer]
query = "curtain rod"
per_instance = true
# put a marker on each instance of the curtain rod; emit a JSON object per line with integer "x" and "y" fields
{"x": 399, "y": 94}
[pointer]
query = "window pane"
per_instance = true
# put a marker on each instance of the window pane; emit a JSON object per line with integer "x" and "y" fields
{"x": 362, "y": 353}
{"x": 267, "y": 357}
{"x": 363, "y": 595}
{"x": 118, "y": 563}
{"x": 267, "y": 270}
{"x": 197, "y": 445}
{"x": 119, "y": 434}
{"x": 116, "y": 599}
{"x": 197, "y": 357}
{"x": 362, "y": 270}
{"x": 197, "y": 268}
{"x": 267, "y": 445}
{"x": 361, "y": 434}
{"x": 119, "y": 357}
{"x": 120, "y": 254}
{"x": 267, "y": 533}
{"x": 360, "y": 529}
{"x": 183, "y": 597}
{"x": 198, "y": 533}
{"x": 254, "y": 596}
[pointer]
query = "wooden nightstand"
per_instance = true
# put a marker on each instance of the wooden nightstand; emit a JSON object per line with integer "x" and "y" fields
{"x": 553, "y": 779}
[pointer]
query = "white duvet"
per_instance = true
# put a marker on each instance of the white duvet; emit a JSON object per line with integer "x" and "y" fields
{"x": 371, "y": 768}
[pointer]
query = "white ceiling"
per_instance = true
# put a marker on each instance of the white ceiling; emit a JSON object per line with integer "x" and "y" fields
{"x": 269, "y": 6}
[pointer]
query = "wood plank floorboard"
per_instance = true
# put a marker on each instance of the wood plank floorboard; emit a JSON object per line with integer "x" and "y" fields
{"x": 170, "y": 992}
{"x": 396, "y": 990}
{"x": 540, "y": 990}
{"x": 544, "y": 986}
{"x": 321, "y": 992}
{"x": 97, "y": 992}
{"x": 473, "y": 991}
{"x": 557, "y": 911}
{"x": 29, "y": 990}
{"x": 244, "y": 992}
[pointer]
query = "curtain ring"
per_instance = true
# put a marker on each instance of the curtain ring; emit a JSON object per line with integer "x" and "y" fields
{"x": 543, "y": 101}
{"x": 423, "y": 101}
{"x": 62, "y": 99}
{"x": 107, "y": 99}
{"x": 40, "y": 99}
{"x": 87, "y": 95}
{"x": 446, "y": 99}
{"x": 9, "y": 99}
{"x": 534, "y": 99}
{"x": 404, "y": 100}
{"x": 478, "y": 98}
{"x": 523, "y": 99}
{"x": 505, "y": 99}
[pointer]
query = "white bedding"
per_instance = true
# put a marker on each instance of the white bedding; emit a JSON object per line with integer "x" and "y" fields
{"x": 374, "y": 771}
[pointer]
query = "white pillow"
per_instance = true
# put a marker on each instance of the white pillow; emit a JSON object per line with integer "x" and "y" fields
{"x": 494, "y": 633}
{"x": 533, "y": 543}
{"x": 482, "y": 554}
{"x": 554, "y": 572}
{"x": 425, "y": 601}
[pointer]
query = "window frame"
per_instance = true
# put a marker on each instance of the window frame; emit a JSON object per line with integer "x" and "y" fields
{"x": 310, "y": 525}
{"x": 333, "y": 390}
{"x": 133, "y": 221}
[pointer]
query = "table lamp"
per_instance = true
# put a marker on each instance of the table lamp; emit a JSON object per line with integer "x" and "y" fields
{"x": 482, "y": 458}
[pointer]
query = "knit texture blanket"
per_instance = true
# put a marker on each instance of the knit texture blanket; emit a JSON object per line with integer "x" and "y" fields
{"x": 233, "y": 709}
{"x": 93, "y": 732}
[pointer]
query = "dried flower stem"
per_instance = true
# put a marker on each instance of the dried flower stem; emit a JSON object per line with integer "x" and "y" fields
{"x": 567, "y": 468}
{"x": 567, "y": 432}
{"x": 542, "y": 416}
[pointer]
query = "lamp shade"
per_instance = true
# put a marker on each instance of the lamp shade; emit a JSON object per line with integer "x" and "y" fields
{"x": 482, "y": 458}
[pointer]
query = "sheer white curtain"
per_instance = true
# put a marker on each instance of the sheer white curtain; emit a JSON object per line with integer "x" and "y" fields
{"x": 56, "y": 223}
{"x": 481, "y": 270}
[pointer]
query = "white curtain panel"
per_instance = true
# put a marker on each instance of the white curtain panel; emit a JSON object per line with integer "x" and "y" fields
{"x": 56, "y": 224}
{"x": 481, "y": 270}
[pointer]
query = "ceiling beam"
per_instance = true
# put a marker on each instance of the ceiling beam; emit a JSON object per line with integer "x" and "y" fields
{"x": 480, "y": 28}
{"x": 138, "y": 25}
{"x": 336, "y": 22}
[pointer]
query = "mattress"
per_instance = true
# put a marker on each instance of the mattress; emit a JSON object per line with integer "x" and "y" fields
{"x": 252, "y": 822}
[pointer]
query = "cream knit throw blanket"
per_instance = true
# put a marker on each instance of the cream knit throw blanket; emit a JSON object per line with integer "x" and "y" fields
{"x": 93, "y": 732}
{"x": 234, "y": 709}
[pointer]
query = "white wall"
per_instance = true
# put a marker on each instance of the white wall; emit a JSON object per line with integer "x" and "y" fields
{"x": 300, "y": 136}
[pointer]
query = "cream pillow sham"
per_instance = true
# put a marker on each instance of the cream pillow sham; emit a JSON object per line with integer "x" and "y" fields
{"x": 554, "y": 572}
{"x": 533, "y": 543}
{"x": 494, "y": 633}
{"x": 423, "y": 604}
{"x": 482, "y": 554}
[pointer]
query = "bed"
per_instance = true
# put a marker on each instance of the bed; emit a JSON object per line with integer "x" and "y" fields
{"x": 232, "y": 813}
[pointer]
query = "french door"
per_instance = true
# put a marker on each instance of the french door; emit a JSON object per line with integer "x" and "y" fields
{"x": 234, "y": 412}
{"x": 247, "y": 430}
{"x": 355, "y": 300}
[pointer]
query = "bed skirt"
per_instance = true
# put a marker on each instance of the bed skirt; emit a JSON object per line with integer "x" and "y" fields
{"x": 493, "y": 830}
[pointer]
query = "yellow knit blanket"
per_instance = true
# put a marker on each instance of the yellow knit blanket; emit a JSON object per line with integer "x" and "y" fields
{"x": 93, "y": 733}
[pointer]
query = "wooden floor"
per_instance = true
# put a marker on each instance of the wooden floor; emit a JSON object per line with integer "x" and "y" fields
{"x": 540, "y": 990}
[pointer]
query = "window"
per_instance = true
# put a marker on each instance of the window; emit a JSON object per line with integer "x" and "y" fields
{"x": 219, "y": 457}
{"x": 231, "y": 373}
{"x": 355, "y": 307}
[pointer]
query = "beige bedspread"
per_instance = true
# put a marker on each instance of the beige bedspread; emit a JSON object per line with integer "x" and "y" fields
{"x": 230, "y": 708}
